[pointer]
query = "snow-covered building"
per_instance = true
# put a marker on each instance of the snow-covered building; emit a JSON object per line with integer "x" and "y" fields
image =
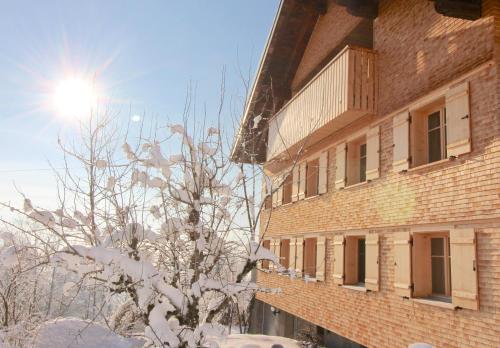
{"x": 378, "y": 123}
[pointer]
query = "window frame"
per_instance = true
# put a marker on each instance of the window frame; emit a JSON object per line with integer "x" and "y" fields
{"x": 352, "y": 261}
{"x": 442, "y": 133}
{"x": 445, "y": 297}
{"x": 419, "y": 133}
{"x": 353, "y": 160}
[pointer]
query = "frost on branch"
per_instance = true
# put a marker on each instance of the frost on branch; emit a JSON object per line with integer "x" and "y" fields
{"x": 172, "y": 230}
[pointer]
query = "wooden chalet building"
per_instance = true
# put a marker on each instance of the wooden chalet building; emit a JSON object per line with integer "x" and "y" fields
{"x": 380, "y": 133}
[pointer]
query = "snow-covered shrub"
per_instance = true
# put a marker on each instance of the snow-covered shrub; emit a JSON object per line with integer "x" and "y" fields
{"x": 172, "y": 228}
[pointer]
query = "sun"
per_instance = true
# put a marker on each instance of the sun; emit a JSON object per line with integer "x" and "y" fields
{"x": 74, "y": 98}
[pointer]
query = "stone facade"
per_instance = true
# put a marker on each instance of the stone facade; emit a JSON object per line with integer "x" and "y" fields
{"x": 418, "y": 52}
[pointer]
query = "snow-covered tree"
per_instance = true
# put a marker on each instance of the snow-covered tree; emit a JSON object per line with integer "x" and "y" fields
{"x": 168, "y": 222}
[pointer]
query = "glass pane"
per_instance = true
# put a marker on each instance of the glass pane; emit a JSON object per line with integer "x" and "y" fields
{"x": 434, "y": 139}
{"x": 361, "y": 260}
{"x": 362, "y": 150}
{"x": 362, "y": 163}
{"x": 437, "y": 246}
{"x": 438, "y": 275}
{"x": 434, "y": 120}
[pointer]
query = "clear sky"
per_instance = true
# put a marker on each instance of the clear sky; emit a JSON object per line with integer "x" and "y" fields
{"x": 143, "y": 55}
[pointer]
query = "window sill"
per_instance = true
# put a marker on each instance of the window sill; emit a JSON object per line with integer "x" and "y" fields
{"x": 309, "y": 198}
{"x": 435, "y": 303}
{"x": 355, "y": 288}
{"x": 347, "y": 187}
{"x": 429, "y": 165}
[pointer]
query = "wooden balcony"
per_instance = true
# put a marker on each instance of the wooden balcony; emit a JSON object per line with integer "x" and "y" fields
{"x": 342, "y": 92}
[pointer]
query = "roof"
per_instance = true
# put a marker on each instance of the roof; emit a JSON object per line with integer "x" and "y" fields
{"x": 293, "y": 25}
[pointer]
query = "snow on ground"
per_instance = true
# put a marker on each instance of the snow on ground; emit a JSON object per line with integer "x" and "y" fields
{"x": 78, "y": 333}
{"x": 256, "y": 341}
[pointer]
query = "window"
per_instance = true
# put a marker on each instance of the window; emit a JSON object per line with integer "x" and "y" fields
{"x": 285, "y": 253}
{"x": 287, "y": 189}
{"x": 355, "y": 261}
{"x": 356, "y": 161}
{"x": 428, "y": 133}
{"x": 310, "y": 257}
{"x": 266, "y": 244}
{"x": 431, "y": 268}
{"x": 312, "y": 176}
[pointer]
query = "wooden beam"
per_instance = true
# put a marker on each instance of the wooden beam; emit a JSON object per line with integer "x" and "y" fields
{"x": 465, "y": 9}
{"x": 361, "y": 8}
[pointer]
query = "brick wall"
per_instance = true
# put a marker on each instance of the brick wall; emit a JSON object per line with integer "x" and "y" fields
{"x": 418, "y": 51}
{"x": 382, "y": 319}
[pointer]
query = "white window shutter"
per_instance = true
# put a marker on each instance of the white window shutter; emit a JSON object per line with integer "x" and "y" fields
{"x": 275, "y": 248}
{"x": 295, "y": 183}
{"x": 338, "y": 259}
{"x": 302, "y": 180}
{"x": 279, "y": 198}
{"x": 320, "y": 258}
{"x": 464, "y": 289}
{"x": 372, "y": 262}
{"x": 293, "y": 256}
{"x": 323, "y": 173}
{"x": 274, "y": 193}
{"x": 340, "y": 163}
{"x": 373, "y": 153}
{"x": 402, "y": 264}
{"x": 458, "y": 137}
{"x": 299, "y": 256}
{"x": 401, "y": 138}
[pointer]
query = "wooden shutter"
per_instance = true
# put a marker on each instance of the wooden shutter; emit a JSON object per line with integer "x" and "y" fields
{"x": 274, "y": 192}
{"x": 279, "y": 198}
{"x": 292, "y": 253}
{"x": 302, "y": 180}
{"x": 372, "y": 153}
{"x": 402, "y": 264}
{"x": 401, "y": 135}
{"x": 267, "y": 245}
{"x": 340, "y": 163}
{"x": 351, "y": 260}
{"x": 310, "y": 257}
{"x": 295, "y": 183}
{"x": 338, "y": 259}
{"x": 320, "y": 258}
{"x": 421, "y": 265}
{"x": 299, "y": 256}
{"x": 263, "y": 193}
{"x": 285, "y": 253}
{"x": 464, "y": 289}
{"x": 458, "y": 136}
{"x": 323, "y": 173}
{"x": 372, "y": 262}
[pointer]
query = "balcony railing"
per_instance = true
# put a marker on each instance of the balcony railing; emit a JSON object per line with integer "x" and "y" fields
{"x": 343, "y": 91}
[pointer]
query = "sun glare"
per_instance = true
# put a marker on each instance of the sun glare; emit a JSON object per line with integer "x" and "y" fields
{"x": 74, "y": 98}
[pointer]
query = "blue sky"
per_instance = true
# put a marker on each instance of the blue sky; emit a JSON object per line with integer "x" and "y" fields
{"x": 143, "y": 54}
